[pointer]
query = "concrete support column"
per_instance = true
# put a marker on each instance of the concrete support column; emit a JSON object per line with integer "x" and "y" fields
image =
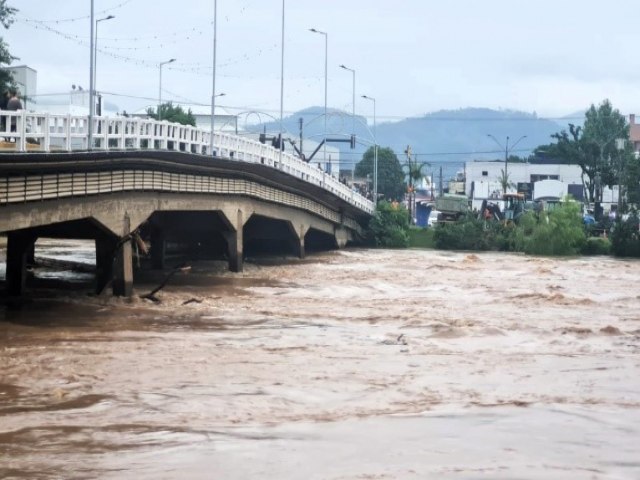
{"x": 158, "y": 249}
{"x": 299, "y": 248}
{"x": 123, "y": 264}
{"x": 235, "y": 241}
{"x": 342, "y": 237}
{"x": 19, "y": 245}
{"x": 105, "y": 251}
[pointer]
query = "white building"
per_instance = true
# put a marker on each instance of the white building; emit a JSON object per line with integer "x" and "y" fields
{"x": 26, "y": 79}
{"x": 538, "y": 181}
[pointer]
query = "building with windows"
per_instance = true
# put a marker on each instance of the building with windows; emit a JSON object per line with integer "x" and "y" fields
{"x": 538, "y": 181}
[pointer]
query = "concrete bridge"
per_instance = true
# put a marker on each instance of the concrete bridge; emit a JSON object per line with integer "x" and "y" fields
{"x": 147, "y": 184}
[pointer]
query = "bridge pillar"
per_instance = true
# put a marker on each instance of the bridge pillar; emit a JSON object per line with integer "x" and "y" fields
{"x": 342, "y": 237}
{"x": 123, "y": 266}
{"x": 299, "y": 247}
{"x": 19, "y": 244}
{"x": 235, "y": 240}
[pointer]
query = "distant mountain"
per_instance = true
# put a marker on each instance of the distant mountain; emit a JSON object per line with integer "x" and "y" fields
{"x": 449, "y": 137}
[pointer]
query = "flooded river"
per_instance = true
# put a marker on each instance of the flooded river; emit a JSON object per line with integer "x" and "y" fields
{"x": 357, "y": 364}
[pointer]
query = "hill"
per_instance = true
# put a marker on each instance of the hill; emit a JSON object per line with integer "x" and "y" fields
{"x": 447, "y": 137}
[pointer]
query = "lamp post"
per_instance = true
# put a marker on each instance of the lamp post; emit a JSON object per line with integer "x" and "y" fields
{"x": 91, "y": 79}
{"x": 506, "y": 154}
{"x": 326, "y": 58}
{"x": 620, "y": 145}
{"x": 95, "y": 53}
{"x": 375, "y": 152}
{"x": 160, "y": 88}
{"x": 353, "y": 114}
{"x": 213, "y": 80}
{"x": 217, "y": 95}
{"x": 282, "y": 81}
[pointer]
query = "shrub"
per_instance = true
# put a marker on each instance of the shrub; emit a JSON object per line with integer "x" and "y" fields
{"x": 470, "y": 233}
{"x": 625, "y": 238}
{"x": 596, "y": 246}
{"x": 421, "y": 237}
{"x": 559, "y": 232}
{"x": 390, "y": 226}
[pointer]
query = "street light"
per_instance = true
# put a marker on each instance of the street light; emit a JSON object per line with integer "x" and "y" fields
{"x": 95, "y": 53}
{"x": 506, "y": 152}
{"x": 217, "y": 95}
{"x": 160, "y": 89}
{"x": 326, "y": 58}
{"x": 282, "y": 82}
{"x": 91, "y": 79}
{"x": 213, "y": 81}
{"x": 353, "y": 115}
{"x": 375, "y": 152}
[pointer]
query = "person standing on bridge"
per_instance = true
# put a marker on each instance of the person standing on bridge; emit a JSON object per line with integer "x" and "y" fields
{"x": 14, "y": 104}
{"x": 4, "y": 100}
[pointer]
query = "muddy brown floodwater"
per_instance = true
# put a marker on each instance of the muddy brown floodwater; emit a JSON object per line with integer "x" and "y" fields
{"x": 358, "y": 364}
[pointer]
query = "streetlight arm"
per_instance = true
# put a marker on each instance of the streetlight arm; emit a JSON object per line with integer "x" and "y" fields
{"x": 495, "y": 140}
{"x": 517, "y": 142}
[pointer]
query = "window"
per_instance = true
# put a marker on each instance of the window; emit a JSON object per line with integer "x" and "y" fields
{"x": 538, "y": 177}
{"x": 485, "y": 173}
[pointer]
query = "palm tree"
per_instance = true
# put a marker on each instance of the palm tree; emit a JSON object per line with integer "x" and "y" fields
{"x": 415, "y": 174}
{"x": 505, "y": 182}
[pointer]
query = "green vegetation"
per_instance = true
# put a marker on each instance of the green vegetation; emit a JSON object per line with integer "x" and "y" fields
{"x": 173, "y": 114}
{"x": 625, "y": 237}
{"x": 470, "y": 233}
{"x": 421, "y": 238}
{"x": 390, "y": 226}
{"x": 6, "y": 19}
{"x": 595, "y": 149}
{"x": 559, "y": 232}
{"x": 390, "y": 174}
{"x": 597, "y": 246}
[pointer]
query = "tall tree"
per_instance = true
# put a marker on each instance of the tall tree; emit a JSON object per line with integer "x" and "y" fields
{"x": 390, "y": 175}
{"x": 415, "y": 174}
{"x": 594, "y": 148}
{"x": 172, "y": 113}
{"x": 6, "y": 19}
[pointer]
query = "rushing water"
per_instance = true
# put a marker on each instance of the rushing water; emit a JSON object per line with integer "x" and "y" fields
{"x": 358, "y": 364}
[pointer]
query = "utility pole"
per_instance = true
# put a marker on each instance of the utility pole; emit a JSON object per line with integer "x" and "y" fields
{"x": 441, "y": 192}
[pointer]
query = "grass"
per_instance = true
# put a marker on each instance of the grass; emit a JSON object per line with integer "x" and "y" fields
{"x": 421, "y": 238}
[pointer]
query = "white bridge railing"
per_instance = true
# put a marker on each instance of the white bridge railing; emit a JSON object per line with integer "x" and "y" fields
{"x": 44, "y": 132}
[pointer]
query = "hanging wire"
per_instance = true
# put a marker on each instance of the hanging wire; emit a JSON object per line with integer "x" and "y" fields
{"x": 85, "y": 17}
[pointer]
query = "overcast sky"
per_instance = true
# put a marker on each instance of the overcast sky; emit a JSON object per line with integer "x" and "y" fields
{"x": 554, "y": 57}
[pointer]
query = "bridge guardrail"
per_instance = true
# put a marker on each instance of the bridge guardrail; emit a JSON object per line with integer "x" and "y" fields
{"x": 25, "y": 131}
